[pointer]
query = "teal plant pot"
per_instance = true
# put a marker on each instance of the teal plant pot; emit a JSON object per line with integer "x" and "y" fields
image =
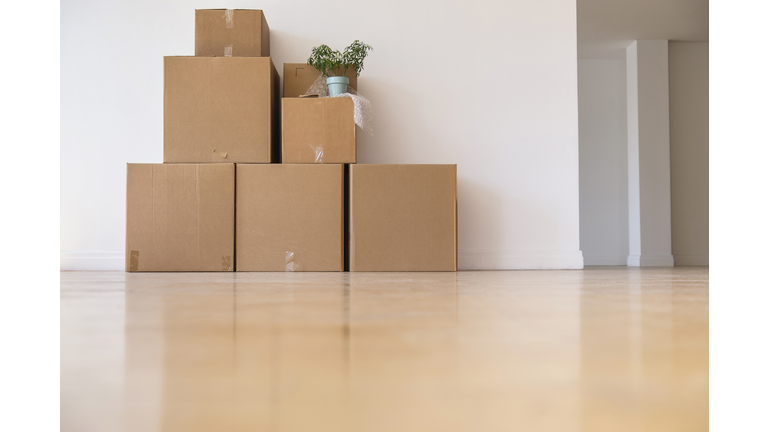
{"x": 337, "y": 85}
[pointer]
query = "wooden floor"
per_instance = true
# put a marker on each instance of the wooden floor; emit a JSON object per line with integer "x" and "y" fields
{"x": 603, "y": 349}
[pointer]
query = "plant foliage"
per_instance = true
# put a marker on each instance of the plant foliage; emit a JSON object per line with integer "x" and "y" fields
{"x": 331, "y": 62}
{"x": 325, "y": 59}
{"x": 354, "y": 55}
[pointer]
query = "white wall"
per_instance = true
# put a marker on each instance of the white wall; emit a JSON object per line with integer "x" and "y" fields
{"x": 489, "y": 85}
{"x": 603, "y": 161}
{"x": 603, "y": 156}
{"x": 689, "y": 151}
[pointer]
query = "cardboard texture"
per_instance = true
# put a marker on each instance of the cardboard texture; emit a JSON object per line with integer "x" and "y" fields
{"x": 290, "y": 217}
{"x": 221, "y": 109}
{"x": 402, "y": 218}
{"x": 180, "y": 217}
{"x": 318, "y": 130}
{"x": 298, "y": 77}
{"x": 231, "y": 33}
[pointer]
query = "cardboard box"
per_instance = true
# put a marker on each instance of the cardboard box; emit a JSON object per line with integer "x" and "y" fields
{"x": 290, "y": 217}
{"x": 180, "y": 217}
{"x": 402, "y": 218}
{"x": 221, "y": 109}
{"x": 298, "y": 77}
{"x": 318, "y": 130}
{"x": 231, "y": 33}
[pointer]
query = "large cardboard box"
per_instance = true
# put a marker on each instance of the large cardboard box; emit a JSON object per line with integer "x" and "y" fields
{"x": 402, "y": 218}
{"x": 231, "y": 33}
{"x": 298, "y": 77}
{"x": 318, "y": 130}
{"x": 180, "y": 217}
{"x": 221, "y": 109}
{"x": 290, "y": 217}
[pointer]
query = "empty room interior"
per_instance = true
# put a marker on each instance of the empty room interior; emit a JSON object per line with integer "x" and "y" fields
{"x": 384, "y": 216}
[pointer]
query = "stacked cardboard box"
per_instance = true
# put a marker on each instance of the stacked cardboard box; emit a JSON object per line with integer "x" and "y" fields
{"x": 316, "y": 130}
{"x": 180, "y": 217}
{"x": 221, "y": 109}
{"x": 241, "y": 190}
{"x": 402, "y": 218}
{"x": 290, "y": 217}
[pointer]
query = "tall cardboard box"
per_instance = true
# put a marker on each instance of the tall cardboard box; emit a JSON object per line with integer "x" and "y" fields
{"x": 402, "y": 218}
{"x": 299, "y": 77}
{"x": 221, "y": 109}
{"x": 318, "y": 130}
{"x": 231, "y": 33}
{"x": 180, "y": 217}
{"x": 290, "y": 217}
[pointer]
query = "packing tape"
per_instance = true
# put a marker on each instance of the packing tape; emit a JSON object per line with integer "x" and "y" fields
{"x": 319, "y": 154}
{"x": 228, "y": 51}
{"x": 229, "y": 17}
{"x": 134, "y": 263}
{"x": 289, "y": 264}
{"x": 219, "y": 156}
{"x": 226, "y": 263}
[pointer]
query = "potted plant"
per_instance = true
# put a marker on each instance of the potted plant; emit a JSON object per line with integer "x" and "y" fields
{"x": 334, "y": 64}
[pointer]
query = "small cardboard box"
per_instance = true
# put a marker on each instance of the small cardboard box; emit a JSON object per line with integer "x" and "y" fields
{"x": 180, "y": 217}
{"x": 290, "y": 217}
{"x": 402, "y": 218}
{"x": 221, "y": 109}
{"x": 231, "y": 33}
{"x": 299, "y": 77}
{"x": 318, "y": 130}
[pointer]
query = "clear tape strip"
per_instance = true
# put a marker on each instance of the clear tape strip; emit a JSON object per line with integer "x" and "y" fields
{"x": 319, "y": 154}
{"x": 289, "y": 263}
{"x": 229, "y": 17}
{"x": 228, "y": 51}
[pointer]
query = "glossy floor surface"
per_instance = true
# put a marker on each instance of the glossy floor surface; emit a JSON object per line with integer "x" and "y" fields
{"x": 612, "y": 349}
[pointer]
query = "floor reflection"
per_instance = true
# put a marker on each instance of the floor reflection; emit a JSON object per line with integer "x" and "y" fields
{"x": 644, "y": 352}
{"x": 403, "y": 345}
{"x": 492, "y": 351}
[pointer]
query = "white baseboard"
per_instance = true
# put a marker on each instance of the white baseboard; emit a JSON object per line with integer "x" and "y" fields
{"x": 676, "y": 260}
{"x": 92, "y": 260}
{"x": 605, "y": 260}
{"x": 519, "y": 260}
{"x": 692, "y": 260}
{"x": 650, "y": 261}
